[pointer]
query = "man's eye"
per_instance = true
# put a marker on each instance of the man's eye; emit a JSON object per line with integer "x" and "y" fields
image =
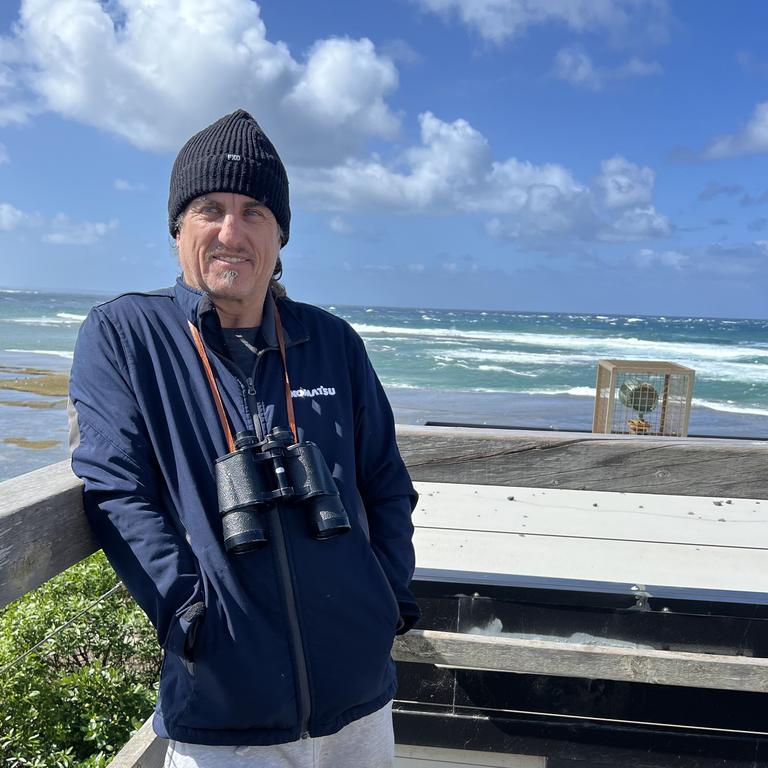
{"x": 254, "y": 212}
{"x": 209, "y": 212}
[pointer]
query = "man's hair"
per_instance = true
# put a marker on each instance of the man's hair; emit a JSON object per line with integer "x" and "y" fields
{"x": 277, "y": 288}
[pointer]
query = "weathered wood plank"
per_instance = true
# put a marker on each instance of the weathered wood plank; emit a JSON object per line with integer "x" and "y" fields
{"x": 579, "y": 461}
{"x": 689, "y": 542}
{"x": 600, "y": 515}
{"x": 410, "y": 756}
{"x": 566, "y": 659}
{"x": 143, "y": 750}
{"x": 43, "y": 530}
{"x": 682, "y": 566}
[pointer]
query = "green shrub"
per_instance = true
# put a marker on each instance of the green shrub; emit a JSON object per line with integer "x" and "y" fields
{"x": 75, "y": 700}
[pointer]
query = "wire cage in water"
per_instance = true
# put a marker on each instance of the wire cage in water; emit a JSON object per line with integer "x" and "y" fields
{"x": 642, "y": 397}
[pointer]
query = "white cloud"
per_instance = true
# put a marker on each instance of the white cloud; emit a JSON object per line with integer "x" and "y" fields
{"x": 716, "y": 189}
{"x": 752, "y": 139}
{"x": 737, "y": 259}
{"x": 442, "y": 170}
{"x": 460, "y": 266}
{"x": 453, "y": 171}
{"x": 638, "y": 224}
{"x": 338, "y": 225}
{"x": 152, "y": 72}
{"x": 64, "y": 231}
{"x": 625, "y": 184}
{"x": 730, "y": 259}
{"x": 576, "y": 67}
{"x": 121, "y": 185}
{"x": 402, "y": 51}
{"x": 15, "y": 107}
{"x": 638, "y": 68}
{"x": 500, "y": 20}
{"x": 647, "y": 258}
{"x": 10, "y": 217}
{"x": 342, "y": 84}
{"x": 4, "y": 156}
{"x": 60, "y": 230}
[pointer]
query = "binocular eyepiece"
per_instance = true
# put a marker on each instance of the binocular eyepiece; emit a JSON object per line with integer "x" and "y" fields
{"x": 258, "y": 474}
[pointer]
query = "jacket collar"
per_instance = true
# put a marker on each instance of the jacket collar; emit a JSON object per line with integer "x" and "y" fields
{"x": 198, "y": 308}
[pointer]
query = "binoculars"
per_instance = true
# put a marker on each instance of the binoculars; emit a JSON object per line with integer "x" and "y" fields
{"x": 258, "y": 475}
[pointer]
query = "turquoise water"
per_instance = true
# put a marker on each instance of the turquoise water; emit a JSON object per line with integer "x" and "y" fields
{"x": 552, "y": 353}
{"x": 544, "y": 363}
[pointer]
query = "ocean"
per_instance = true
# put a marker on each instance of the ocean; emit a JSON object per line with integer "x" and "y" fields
{"x": 518, "y": 369}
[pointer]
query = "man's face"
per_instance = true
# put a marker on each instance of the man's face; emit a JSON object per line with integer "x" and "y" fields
{"x": 228, "y": 245}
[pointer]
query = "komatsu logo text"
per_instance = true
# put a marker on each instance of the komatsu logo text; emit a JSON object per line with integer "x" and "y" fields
{"x": 316, "y": 392}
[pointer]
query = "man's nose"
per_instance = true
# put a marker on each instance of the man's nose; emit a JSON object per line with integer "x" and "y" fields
{"x": 231, "y": 234}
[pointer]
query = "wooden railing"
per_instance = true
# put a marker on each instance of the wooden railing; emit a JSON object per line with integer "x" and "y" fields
{"x": 43, "y": 531}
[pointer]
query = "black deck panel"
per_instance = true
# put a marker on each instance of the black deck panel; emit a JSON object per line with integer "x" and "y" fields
{"x": 575, "y": 721}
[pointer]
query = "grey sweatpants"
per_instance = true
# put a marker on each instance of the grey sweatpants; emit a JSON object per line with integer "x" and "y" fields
{"x": 367, "y": 742}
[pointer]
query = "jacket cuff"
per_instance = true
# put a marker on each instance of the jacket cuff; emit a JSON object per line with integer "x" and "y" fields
{"x": 409, "y": 615}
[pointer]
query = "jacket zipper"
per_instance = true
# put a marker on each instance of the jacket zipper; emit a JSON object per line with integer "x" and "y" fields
{"x": 305, "y": 704}
{"x": 276, "y": 525}
{"x": 297, "y": 641}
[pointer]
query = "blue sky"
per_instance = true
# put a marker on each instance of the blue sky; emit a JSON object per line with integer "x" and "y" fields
{"x": 560, "y": 155}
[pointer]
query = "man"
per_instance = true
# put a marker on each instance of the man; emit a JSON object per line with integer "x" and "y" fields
{"x": 277, "y": 653}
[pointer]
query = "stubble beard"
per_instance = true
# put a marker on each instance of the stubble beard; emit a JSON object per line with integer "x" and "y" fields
{"x": 229, "y": 277}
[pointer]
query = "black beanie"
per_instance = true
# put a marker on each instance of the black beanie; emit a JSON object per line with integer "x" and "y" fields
{"x": 231, "y": 155}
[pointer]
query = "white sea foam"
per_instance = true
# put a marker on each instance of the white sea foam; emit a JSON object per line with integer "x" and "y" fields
{"x": 52, "y": 352}
{"x": 573, "y": 391}
{"x": 729, "y": 407}
{"x": 489, "y": 368}
{"x": 705, "y": 370}
{"x": 598, "y": 346}
{"x": 62, "y": 318}
{"x": 502, "y": 369}
{"x": 487, "y": 356}
{"x": 401, "y": 385}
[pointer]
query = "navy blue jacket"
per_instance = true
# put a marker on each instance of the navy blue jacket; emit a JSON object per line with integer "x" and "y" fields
{"x": 295, "y": 637}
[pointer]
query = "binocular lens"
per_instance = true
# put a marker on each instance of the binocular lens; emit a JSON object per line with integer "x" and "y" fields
{"x": 242, "y": 531}
{"x": 327, "y": 517}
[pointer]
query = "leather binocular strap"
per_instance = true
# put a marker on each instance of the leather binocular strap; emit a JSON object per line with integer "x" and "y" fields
{"x": 288, "y": 395}
{"x": 212, "y": 384}
{"x": 215, "y": 390}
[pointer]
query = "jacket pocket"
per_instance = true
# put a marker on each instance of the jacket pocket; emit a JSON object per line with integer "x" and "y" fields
{"x": 349, "y": 615}
{"x": 390, "y": 591}
{"x": 241, "y": 673}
